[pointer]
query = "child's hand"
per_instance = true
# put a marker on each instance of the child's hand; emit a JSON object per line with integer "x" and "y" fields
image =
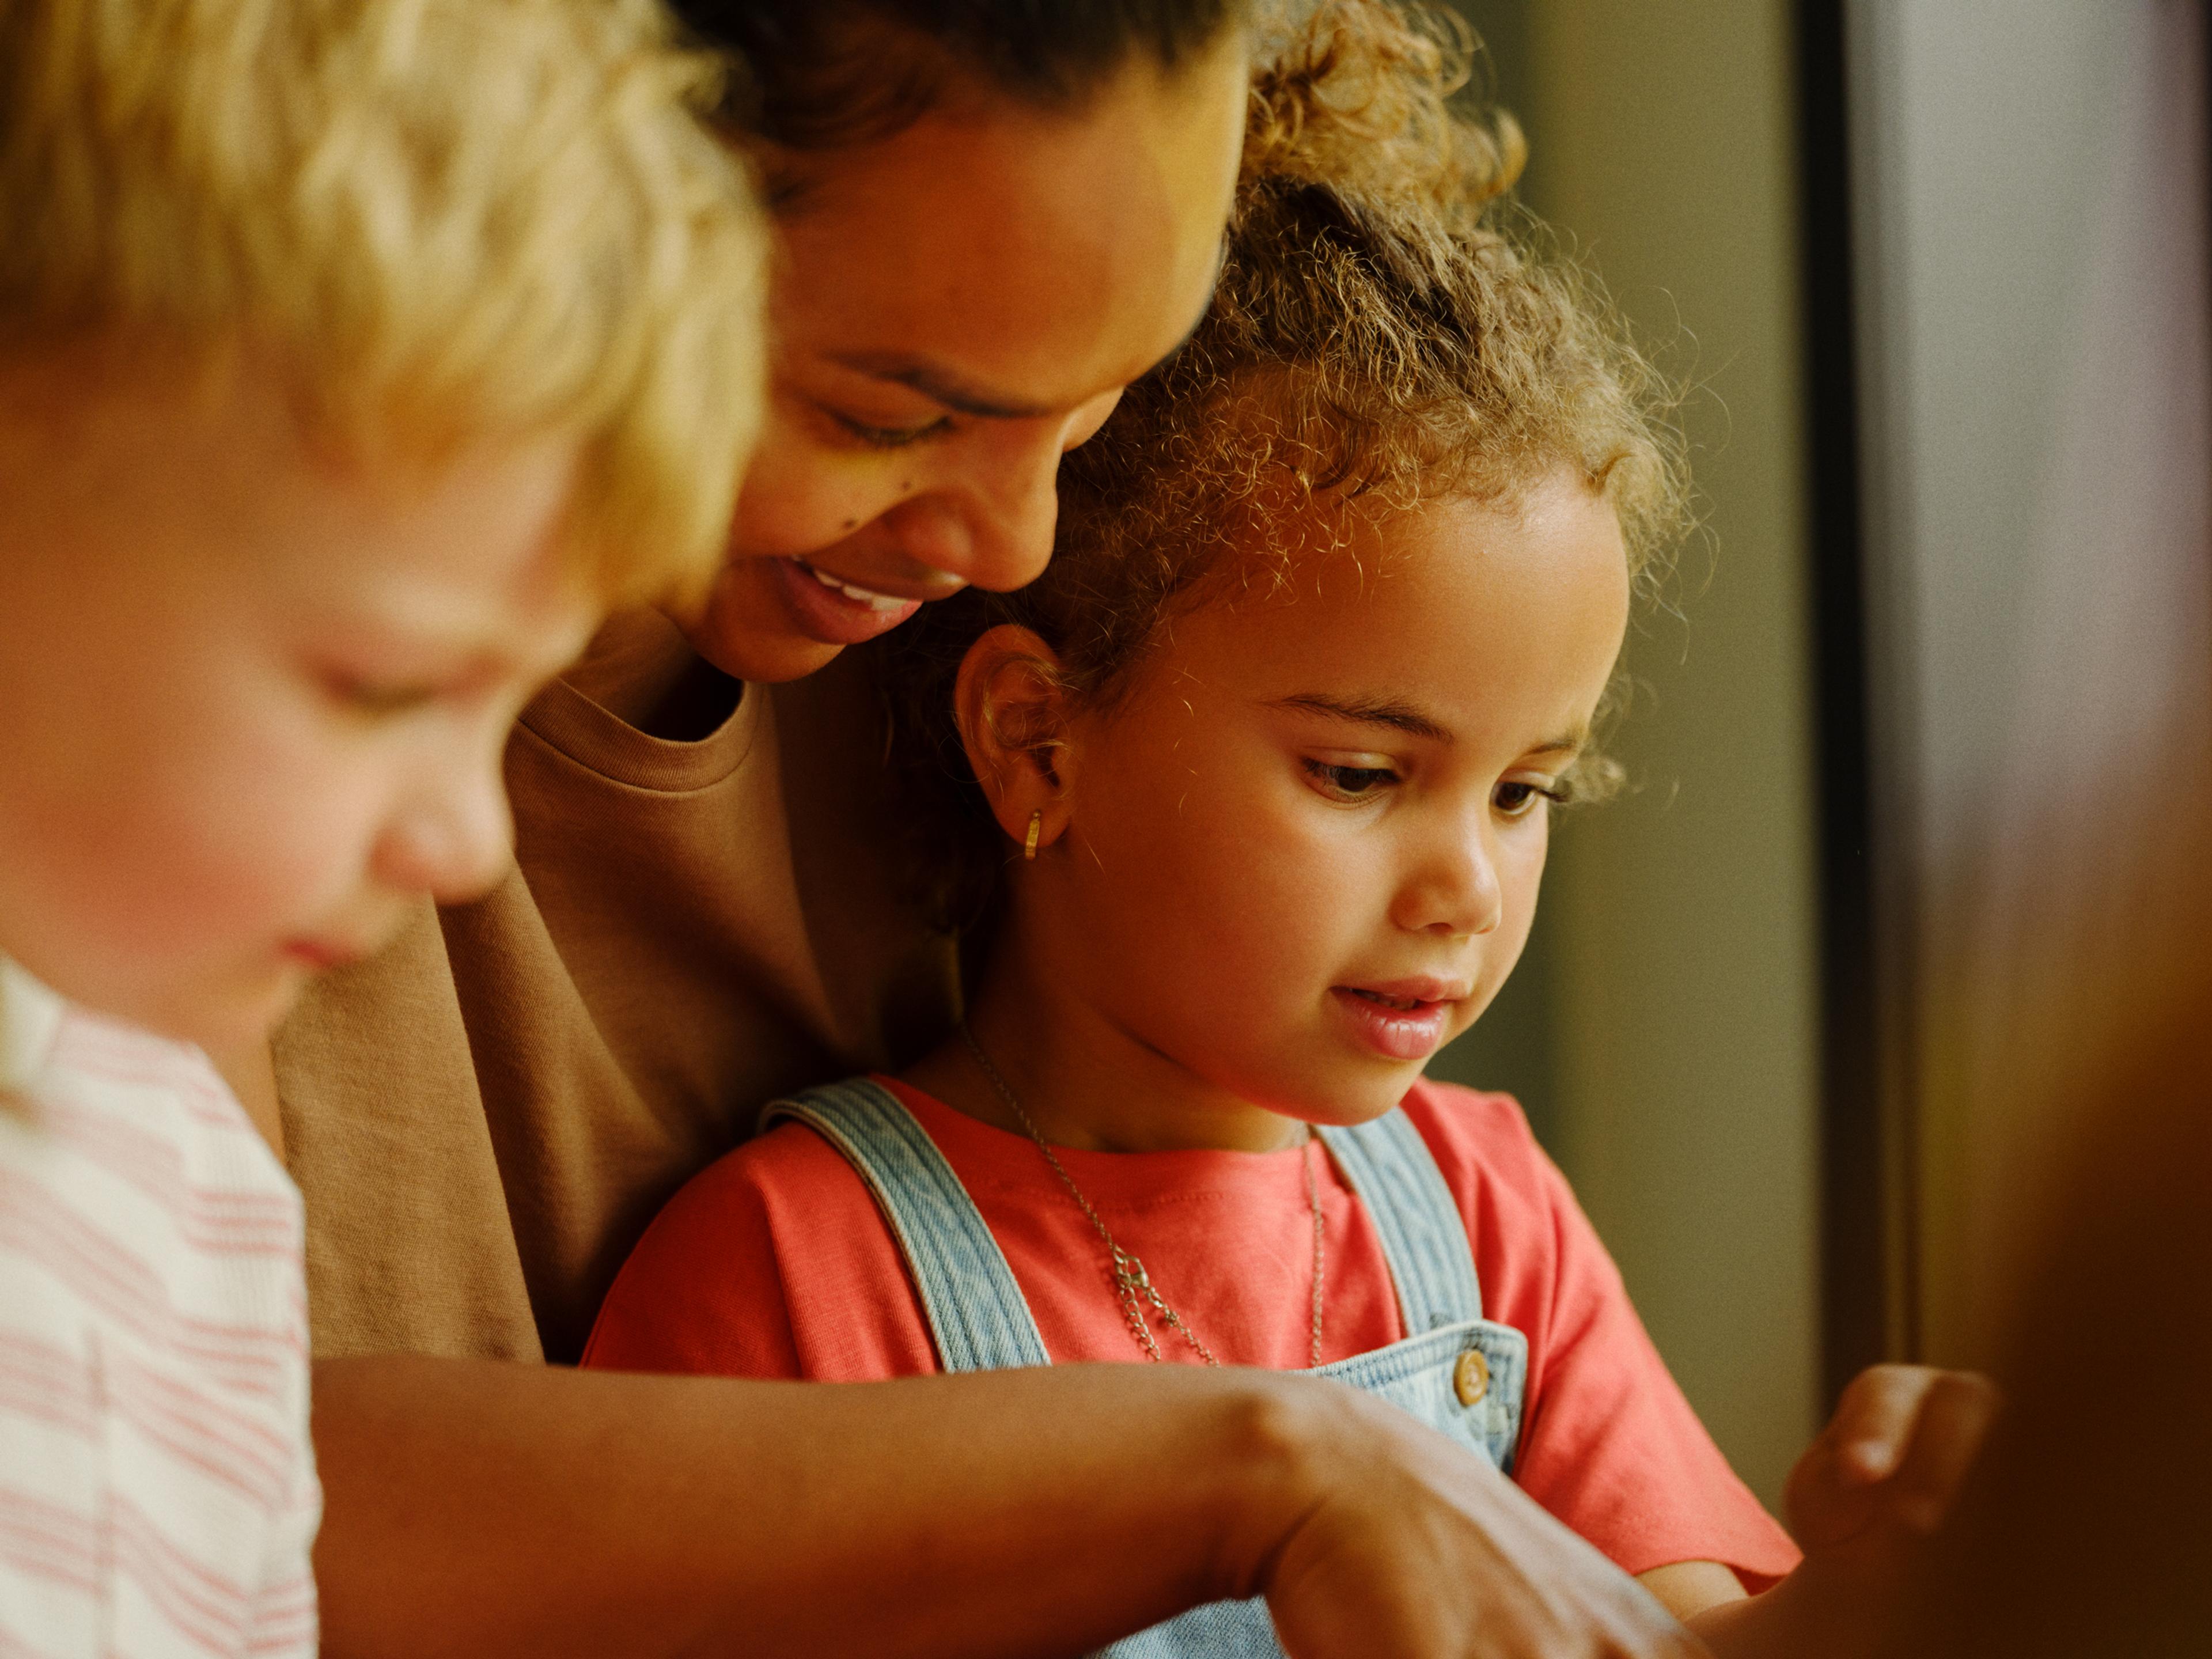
{"x": 1880, "y": 1477}
{"x": 1902, "y": 1439}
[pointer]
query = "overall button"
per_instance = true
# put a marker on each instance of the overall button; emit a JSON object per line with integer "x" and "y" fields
{"x": 1471, "y": 1378}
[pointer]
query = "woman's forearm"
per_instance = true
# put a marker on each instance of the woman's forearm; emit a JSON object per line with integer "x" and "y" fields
{"x": 478, "y": 1509}
{"x": 485, "y": 1510}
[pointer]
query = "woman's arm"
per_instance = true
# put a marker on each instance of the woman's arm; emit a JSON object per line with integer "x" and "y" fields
{"x": 481, "y": 1508}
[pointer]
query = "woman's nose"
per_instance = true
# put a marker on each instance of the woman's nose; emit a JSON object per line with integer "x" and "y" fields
{"x": 993, "y": 526}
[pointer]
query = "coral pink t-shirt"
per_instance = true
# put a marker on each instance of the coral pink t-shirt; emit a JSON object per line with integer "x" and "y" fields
{"x": 775, "y": 1262}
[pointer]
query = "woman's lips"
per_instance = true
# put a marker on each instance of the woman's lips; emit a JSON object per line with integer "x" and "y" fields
{"x": 1389, "y": 1027}
{"x": 832, "y": 615}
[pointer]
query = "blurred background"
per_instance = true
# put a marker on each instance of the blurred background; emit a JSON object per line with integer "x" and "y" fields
{"x": 1934, "y": 272}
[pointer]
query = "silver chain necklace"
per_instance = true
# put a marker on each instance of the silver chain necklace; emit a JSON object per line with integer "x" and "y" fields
{"x": 1133, "y": 1286}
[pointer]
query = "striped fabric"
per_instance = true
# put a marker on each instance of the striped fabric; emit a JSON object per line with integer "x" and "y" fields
{"x": 157, "y": 1488}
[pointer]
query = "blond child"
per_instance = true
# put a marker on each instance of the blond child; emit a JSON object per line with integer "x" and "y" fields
{"x": 353, "y": 359}
{"x": 1243, "y": 807}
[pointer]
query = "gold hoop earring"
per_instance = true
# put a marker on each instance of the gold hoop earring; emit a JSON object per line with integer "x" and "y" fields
{"x": 1036, "y": 828}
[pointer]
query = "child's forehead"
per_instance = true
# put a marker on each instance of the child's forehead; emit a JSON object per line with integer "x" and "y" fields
{"x": 1363, "y": 556}
{"x": 1459, "y": 595}
{"x": 258, "y": 509}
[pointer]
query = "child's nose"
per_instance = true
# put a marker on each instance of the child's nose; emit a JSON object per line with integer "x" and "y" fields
{"x": 1455, "y": 891}
{"x": 453, "y": 843}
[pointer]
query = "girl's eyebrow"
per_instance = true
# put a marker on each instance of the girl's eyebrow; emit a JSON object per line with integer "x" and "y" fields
{"x": 1572, "y": 743}
{"x": 1369, "y": 711}
{"x": 1401, "y": 716}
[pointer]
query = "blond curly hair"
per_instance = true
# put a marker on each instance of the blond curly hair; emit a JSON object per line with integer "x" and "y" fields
{"x": 1388, "y": 332}
{"x": 451, "y": 222}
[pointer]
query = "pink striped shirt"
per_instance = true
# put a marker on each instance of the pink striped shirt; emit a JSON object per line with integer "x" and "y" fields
{"x": 157, "y": 1486}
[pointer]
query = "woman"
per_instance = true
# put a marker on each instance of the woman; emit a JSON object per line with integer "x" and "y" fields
{"x": 995, "y": 216}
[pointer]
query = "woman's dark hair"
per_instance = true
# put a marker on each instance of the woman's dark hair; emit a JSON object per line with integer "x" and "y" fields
{"x": 820, "y": 74}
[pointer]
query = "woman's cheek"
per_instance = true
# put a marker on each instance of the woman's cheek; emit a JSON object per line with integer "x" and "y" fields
{"x": 800, "y": 496}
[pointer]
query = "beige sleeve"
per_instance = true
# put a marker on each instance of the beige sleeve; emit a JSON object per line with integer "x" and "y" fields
{"x": 410, "y": 1246}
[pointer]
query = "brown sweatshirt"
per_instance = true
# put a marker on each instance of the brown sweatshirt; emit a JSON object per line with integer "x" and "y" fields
{"x": 484, "y": 1117}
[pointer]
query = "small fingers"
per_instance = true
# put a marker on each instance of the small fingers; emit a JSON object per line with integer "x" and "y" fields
{"x": 1874, "y": 1420}
{"x": 1830, "y": 1495}
{"x": 1956, "y": 1411}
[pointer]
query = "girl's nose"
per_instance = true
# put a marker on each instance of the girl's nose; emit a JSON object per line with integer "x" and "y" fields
{"x": 453, "y": 841}
{"x": 1455, "y": 891}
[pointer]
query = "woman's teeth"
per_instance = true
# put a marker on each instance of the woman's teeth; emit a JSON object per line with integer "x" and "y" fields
{"x": 873, "y": 600}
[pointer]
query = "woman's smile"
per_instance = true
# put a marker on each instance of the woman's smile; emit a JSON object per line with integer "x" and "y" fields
{"x": 831, "y": 611}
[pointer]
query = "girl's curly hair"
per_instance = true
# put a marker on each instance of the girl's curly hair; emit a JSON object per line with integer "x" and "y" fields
{"x": 1388, "y": 332}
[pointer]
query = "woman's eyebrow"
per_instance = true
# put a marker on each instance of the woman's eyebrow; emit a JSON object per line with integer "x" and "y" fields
{"x": 1398, "y": 715}
{"x": 963, "y": 397}
{"x": 941, "y": 384}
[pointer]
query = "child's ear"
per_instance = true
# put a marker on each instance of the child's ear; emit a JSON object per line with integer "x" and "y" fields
{"x": 1012, "y": 709}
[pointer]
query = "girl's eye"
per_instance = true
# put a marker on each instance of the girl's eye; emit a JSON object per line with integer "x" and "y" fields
{"x": 891, "y": 437}
{"x": 1350, "y": 783}
{"x": 1516, "y": 797}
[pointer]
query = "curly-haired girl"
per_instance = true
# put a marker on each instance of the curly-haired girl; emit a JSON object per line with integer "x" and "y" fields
{"x": 1242, "y": 809}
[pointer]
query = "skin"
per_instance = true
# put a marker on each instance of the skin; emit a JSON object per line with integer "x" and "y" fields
{"x": 485, "y": 1510}
{"x": 1341, "y": 786}
{"x": 1863, "y": 1503}
{"x": 263, "y": 693}
{"x": 1014, "y": 1513}
{"x": 254, "y": 696}
{"x": 1305, "y": 796}
{"x": 953, "y": 310}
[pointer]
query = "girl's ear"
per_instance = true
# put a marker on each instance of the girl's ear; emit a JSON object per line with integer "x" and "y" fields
{"x": 1012, "y": 710}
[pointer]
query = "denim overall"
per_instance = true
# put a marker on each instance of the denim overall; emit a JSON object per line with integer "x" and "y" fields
{"x": 1458, "y": 1373}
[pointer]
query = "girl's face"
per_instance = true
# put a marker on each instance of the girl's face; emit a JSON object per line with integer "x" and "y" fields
{"x": 1303, "y": 855}
{"x": 953, "y": 309}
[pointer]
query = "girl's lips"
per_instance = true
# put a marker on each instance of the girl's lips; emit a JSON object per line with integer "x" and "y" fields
{"x": 828, "y": 615}
{"x": 1413, "y": 1033}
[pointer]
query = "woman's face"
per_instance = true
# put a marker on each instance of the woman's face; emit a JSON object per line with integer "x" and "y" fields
{"x": 953, "y": 309}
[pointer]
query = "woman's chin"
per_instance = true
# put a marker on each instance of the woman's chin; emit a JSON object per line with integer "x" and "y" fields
{"x": 767, "y": 624}
{"x": 742, "y": 635}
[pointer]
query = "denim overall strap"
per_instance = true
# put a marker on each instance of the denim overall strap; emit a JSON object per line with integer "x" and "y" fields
{"x": 978, "y": 1317}
{"x": 1423, "y": 1237}
{"x": 1453, "y": 1371}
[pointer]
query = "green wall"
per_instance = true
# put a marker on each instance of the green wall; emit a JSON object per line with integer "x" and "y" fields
{"x": 1664, "y": 1032}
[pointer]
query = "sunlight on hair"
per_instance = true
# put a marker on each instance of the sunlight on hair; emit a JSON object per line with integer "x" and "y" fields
{"x": 454, "y": 222}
